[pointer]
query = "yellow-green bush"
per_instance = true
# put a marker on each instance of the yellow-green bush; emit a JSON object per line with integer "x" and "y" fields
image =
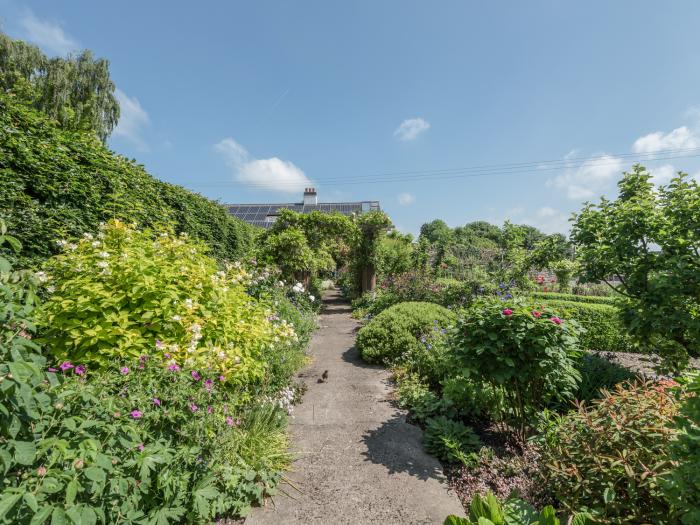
{"x": 122, "y": 293}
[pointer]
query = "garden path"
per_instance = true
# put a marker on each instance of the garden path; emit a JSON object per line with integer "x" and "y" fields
{"x": 358, "y": 460}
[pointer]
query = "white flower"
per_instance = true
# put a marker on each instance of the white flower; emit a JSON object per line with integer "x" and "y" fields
{"x": 176, "y": 318}
{"x": 72, "y": 246}
{"x": 104, "y": 255}
{"x": 312, "y": 298}
{"x": 189, "y": 303}
{"x": 62, "y": 243}
{"x": 102, "y": 264}
{"x": 101, "y": 235}
{"x": 280, "y": 284}
{"x": 51, "y": 289}
{"x": 88, "y": 236}
{"x": 41, "y": 277}
{"x": 96, "y": 244}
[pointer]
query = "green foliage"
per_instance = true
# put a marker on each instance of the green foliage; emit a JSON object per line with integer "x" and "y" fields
{"x": 569, "y": 297}
{"x": 611, "y": 456}
{"x": 450, "y": 440}
{"x": 76, "y": 91}
{"x": 394, "y": 254}
{"x": 397, "y": 331}
{"x": 123, "y": 293}
{"x": 602, "y": 328}
{"x": 598, "y": 374}
{"x": 58, "y": 184}
{"x": 649, "y": 239}
{"x": 525, "y": 351}
{"x": 513, "y": 511}
{"x": 416, "y": 396}
{"x": 683, "y": 485}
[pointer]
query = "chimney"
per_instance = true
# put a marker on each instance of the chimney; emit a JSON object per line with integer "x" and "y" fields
{"x": 310, "y": 196}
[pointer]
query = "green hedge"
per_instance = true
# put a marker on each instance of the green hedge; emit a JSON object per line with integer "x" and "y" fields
{"x": 58, "y": 184}
{"x": 603, "y": 328}
{"x": 554, "y": 296}
{"x": 398, "y": 330}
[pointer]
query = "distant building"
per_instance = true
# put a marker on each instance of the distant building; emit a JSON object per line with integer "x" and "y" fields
{"x": 265, "y": 215}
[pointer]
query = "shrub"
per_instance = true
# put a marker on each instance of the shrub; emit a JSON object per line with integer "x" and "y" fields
{"x": 398, "y": 331}
{"x": 610, "y": 457}
{"x": 598, "y": 374}
{"x": 472, "y": 399}
{"x": 450, "y": 440}
{"x": 602, "y": 328}
{"x": 683, "y": 486}
{"x": 415, "y": 396}
{"x": 555, "y": 296}
{"x": 127, "y": 293}
{"x": 58, "y": 184}
{"x": 524, "y": 351}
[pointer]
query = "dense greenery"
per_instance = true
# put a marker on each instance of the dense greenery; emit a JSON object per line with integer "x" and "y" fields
{"x": 75, "y": 91}
{"x": 403, "y": 329}
{"x": 649, "y": 239}
{"x": 555, "y": 296}
{"x": 58, "y": 184}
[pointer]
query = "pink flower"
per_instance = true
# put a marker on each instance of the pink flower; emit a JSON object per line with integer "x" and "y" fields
{"x": 159, "y": 344}
{"x": 229, "y": 421}
{"x": 555, "y": 320}
{"x": 193, "y": 407}
{"x": 141, "y": 447}
{"x": 173, "y": 367}
{"x": 136, "y": 414}
{"x": 167, "y": 355}
{"x": 507, "y": 312}
{"x": 66, "y": 365}
{"x": 195, "y": 375}
{"x": 124, "y": 370}
{"x": 80, "y": 369}
{"x": 41, "y": 471}
{"x": 536, "y": 314}
{"x": 222, "y": 378}
{"x": 156, "y": 401}
{"x": 209, "y": 410}
{"x": 53, "y": 369}
{"x": 208, "y": 384}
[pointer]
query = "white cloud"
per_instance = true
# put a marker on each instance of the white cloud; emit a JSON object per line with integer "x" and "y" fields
{"x": 662, "y": 174}
{"x": 132, "y": 120}
{"x": 549, "y": 220}
{"x": 48, "y": 35}
{"x": 679, "y": 138}
{"x": 268, "y": 174}
{"x": 405, "y": 199}
{"x": 411, "y": 128}
{"x": 588, "y": 179}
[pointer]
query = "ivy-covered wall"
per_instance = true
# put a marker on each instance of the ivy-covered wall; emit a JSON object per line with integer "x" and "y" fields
{"x": 56, "y": 183}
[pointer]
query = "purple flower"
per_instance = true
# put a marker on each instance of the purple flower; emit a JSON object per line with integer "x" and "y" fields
{"x": 209, "y": 410}
{"x": 156, "y": 401}
{"x": 53, "y": 369}
{"x": 195, "y": 375}
{"x": 208, "y": 384}
{"x": 136, "y": 414}
{"x": 229, "y": 421}
{"x": 167, "y": 355}
{"x": 80, "y": 369}
{"x": 124, "y": 370}
{"x": 173, "y": 367}
{"x": 222, "y": 378}
{"x": 66, "y": 365}
{"x": 193, "y": 407}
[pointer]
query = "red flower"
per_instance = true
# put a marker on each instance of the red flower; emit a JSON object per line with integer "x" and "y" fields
{"x": 536, "y": 314}
{"x": 507, "y": 312}
{"x": 555, "y": 320}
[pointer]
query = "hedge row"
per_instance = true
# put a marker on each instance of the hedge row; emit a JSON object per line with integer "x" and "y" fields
{"x": 555, "y": 296}
{"x": 58, "y": 183}
{"x": 603, "y": 328}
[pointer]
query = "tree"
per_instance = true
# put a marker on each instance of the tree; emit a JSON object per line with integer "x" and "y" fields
{"x": 649, "y": 240}
{"x": 394, "y": 254}
{"x": 76, "y": 91}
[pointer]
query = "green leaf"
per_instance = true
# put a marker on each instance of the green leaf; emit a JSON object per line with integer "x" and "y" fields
{"x": 583, "y": 518}
{"x": 95, "y": 474}
{"x": 71, "y": 492}
{"x": 41, "y": 516}
{"x": 30, "y": 500}
{"x": 456, "y": 520}
{"x": 548, "y": 516}
{"x": 7, "y": 502}
{"x": 25, "y": 452}
{"x": 608, "y": 495}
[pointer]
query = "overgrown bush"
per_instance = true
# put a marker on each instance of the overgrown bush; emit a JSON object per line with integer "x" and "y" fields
{"x": 450, "y": 440}
{"x": 124, "y": 293}
{"x": 525, "y": 351}
{"x": 683, "y": 485}
{"x": 601, "y": 326}
{"x": 611, "y": 456}
{"x": 398, "y": 331}
{"x": 58, "y": 184}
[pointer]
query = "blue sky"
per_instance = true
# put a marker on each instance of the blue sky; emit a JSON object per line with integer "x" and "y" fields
{"x": 252, "y": 101}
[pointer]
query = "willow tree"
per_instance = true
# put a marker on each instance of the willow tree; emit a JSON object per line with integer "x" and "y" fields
{"x": 76, "y": 91}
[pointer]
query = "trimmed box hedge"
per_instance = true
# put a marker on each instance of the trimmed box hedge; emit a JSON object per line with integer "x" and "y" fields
{"x": 58, "y": 184}
{"x": 604, "y": 330}
{"x": 556, "y": 296}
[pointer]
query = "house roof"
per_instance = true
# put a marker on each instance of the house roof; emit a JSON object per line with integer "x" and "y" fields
{"x": 264, "y": 215}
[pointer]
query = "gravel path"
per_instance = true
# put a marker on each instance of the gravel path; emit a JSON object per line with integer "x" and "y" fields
{"x": 359, "y": 462}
